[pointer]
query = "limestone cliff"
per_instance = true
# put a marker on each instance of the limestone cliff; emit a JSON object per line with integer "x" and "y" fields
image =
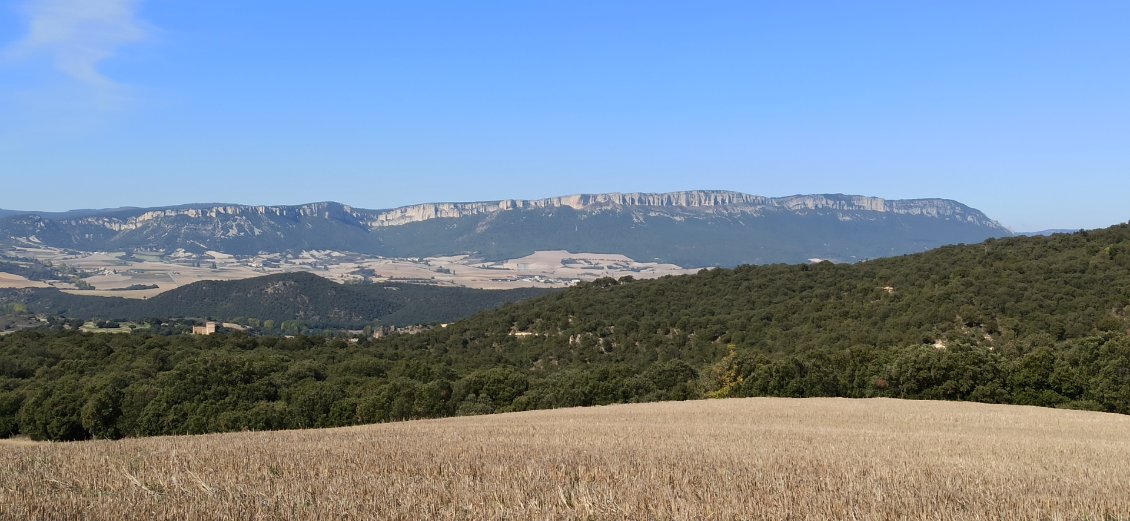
{"x": 695, "y": 201}
{"x": 138, "y": 220}
{"x": 691, "y": 228}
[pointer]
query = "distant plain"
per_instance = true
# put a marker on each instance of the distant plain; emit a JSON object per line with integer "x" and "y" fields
{"x": 111, "y": 273}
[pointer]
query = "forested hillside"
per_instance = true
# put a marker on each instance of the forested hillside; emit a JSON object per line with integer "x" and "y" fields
{"x": 300, "y": 298}
{"x": 1033, "y": 320}
{"x": 1008, "y": 293}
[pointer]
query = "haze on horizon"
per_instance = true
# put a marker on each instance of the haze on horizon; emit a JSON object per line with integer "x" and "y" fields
{"x": 1017, "y": 109}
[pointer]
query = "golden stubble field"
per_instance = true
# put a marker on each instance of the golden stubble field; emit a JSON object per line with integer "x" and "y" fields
{"x": 720, "y": 459}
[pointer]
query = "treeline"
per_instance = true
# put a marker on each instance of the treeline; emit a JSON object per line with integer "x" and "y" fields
{"x": 71, "y": 386}
{"x": 1040, "y": 321}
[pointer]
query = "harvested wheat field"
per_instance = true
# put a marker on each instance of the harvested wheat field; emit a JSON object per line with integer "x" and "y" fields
{"x": 721, "y": 459}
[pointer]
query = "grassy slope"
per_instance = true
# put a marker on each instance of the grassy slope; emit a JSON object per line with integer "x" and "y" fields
{"x": 759, "y": 458}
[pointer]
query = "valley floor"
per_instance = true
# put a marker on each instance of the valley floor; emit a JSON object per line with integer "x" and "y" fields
{"x": 117, "y": 275}
{"x": 757, "y": 458}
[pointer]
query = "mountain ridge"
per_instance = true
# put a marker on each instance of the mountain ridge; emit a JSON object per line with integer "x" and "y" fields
{"x": 741, "y": 202}
{"x": 132, "y": 217}
{"x": 690, "y": 228}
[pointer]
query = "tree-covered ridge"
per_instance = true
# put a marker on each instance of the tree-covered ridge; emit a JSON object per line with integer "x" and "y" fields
{"x": 1040, "y": 320}
{"x": 1008, "y": 294}
{"x": 298, "y": 297}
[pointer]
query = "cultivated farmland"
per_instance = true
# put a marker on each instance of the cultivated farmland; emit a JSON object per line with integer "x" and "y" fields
{"x": 757, "y": 458}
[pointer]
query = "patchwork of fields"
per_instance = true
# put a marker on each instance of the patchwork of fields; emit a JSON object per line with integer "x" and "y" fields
{"x": 142, "y": 275}
{"x": 757, "y": 458}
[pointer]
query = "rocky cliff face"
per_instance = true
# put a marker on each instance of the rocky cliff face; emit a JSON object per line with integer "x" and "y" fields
{"x": 696, "y": 201}
{"x": 691, "y": 228}
{"x": 122, "y": 221}
{"x": 707, "y": 202}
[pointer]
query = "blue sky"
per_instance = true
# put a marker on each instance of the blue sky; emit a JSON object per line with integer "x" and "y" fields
{"x": 1020, "y": 109}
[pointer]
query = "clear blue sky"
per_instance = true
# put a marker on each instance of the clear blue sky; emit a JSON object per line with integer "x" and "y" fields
{"x": 1020, "y": 109}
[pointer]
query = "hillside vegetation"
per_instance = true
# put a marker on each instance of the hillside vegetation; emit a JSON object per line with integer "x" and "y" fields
{"x": 761, "y": 458}
{"x": 1037, "y": 321}
{"x": 303, "y": 299}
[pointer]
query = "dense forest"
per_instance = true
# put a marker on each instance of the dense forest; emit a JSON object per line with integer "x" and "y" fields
{"x": 1030, "y": 320}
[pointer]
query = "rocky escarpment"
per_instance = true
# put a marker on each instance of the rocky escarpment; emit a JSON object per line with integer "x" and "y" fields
{"x": 711, "y": 202}
{"x": 126, "y": 221}
{"x": 708, "y": 202}
{"x": 700, "y": 201}
{"x": 691, "y": 228}
{"x": 689, "y": 199}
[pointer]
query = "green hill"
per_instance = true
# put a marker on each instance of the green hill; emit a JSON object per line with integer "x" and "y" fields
{"x": 1029, "y": 320}
{"x": 301, "y": 297}
{"x": 1006, "y": 293}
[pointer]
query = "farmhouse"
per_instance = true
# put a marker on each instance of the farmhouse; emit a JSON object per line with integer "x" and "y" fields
{"x": 209, "y": 328}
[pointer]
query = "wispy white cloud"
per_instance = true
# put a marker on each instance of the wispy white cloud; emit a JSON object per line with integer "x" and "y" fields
{"x": 78, "y": 35}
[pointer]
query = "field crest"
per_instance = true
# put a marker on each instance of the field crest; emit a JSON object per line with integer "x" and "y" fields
{"x": 756, "y": 458}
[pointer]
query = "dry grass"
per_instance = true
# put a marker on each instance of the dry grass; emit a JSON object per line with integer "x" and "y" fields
{"x": 724, "y": 459}
{"x": 8, "y": 280}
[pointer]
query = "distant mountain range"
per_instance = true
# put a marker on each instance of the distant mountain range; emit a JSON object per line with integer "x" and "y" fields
{"x": 691, "y": 228}
{"x": 1043, "y": 232}
{"x": 304, "y": 297}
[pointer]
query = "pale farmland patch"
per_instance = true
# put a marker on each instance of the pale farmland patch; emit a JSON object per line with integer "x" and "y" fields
{"x": 757, "y": 458}
{"x": 8, "y": 280}
{"x": 111, "y": 273}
